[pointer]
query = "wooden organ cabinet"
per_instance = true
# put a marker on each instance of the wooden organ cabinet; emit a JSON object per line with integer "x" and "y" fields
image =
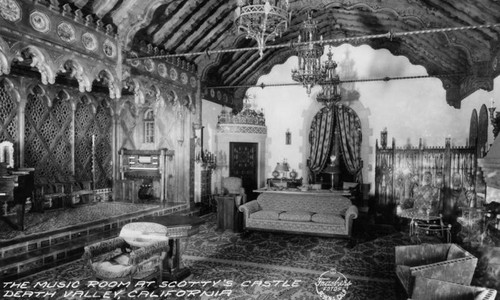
{"x": 16, "y": 188}
{"x": 143, "y": 174}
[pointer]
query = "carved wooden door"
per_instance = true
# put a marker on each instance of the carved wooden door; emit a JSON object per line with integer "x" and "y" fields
{"x": 243, "y": 163}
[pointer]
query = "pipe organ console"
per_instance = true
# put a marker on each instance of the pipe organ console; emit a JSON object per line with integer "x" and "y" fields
{"x": 142, "y": 166}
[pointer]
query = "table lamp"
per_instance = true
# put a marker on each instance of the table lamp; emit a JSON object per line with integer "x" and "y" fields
{"x": 332, "y": 169}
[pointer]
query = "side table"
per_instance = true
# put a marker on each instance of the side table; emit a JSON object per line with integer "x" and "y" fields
{"x": 228, "y": 216}
{"x": 180, "y": 228}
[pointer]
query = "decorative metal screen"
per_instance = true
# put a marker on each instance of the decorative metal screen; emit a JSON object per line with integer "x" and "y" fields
{"x": 103, "y": 149}
{"x": 127, "y": 123}
{"x": 8, "y": 117}
{"x": 48, "y": 135}
{"x": 98, "y": 125}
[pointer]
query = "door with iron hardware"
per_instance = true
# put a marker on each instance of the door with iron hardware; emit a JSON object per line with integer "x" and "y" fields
{"x": 243, "y": 163}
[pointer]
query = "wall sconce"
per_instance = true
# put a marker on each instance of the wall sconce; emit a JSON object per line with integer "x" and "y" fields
{"x": 288, "y": 137}
{"x": 383, "y": 138}
{"x": 494, "y": 118}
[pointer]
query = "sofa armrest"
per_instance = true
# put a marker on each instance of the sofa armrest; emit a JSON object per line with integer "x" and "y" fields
{"x": 146, "y": 252}
{"x": 350, "y": 214}
{"x": 103, "y": 247}
{"x": 249, "y": 208}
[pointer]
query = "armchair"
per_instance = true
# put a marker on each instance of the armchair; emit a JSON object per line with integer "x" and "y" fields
{"x": 424, "y": 210}
{"x": 433, "y": 289}
{"x": 447, "y": 262}
{"x": 136, "y": 254}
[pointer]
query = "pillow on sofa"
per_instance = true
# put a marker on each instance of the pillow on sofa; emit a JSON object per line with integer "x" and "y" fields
{"x": 266, "y": 215}
{"x": 328, "y": 219}
{"x": 299, "y": 216}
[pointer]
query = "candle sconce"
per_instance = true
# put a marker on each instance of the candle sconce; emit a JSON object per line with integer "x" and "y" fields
{"x": 207, "y": 159}
{"x": 495, "y": 119}
{"x": 288, "y": 137}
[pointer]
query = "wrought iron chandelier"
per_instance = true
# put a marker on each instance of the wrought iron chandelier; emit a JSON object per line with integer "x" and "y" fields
{"x": 329, "y": 94}
{"x": 261, "y": 20}
{"x": 309, "y": 72}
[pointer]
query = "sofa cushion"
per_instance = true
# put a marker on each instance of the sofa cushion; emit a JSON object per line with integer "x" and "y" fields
{"x": 116, "y": 267}
{"x": 299, "y": 216}
{"x": 322, "y": 203}
{"x": 328, "y": 219}
{"x": 266, "y": 215}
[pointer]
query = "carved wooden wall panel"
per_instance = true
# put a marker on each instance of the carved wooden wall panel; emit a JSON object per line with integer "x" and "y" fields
{"x": 127, "y": 124}
{"x": 103, "y": 146}
{"x": 8, "y": 117}
{"x": 84, "y": 117}
{"x": 399, "y": 170}
{"x": 48, "y": 135}
{"x": 96, "y": 123}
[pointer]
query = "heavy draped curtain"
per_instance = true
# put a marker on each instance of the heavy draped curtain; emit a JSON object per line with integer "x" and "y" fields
{"x": 321, "y": 139}
{"x": 349, "y": 128}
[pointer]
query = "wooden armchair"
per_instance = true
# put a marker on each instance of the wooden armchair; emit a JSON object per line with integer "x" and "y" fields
{"x": 47, "y": 194}
{"x": 138, "y": 253}
{"x": 79, "y": 192}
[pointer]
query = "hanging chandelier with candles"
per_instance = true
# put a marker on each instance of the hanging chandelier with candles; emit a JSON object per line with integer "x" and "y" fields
{"x": 261, "y": 20}
{"x": 329, "y": 94}
{"x": 309, "y": 71}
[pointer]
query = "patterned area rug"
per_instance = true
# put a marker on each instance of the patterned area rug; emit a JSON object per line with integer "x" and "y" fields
{"x": 238, "y": 266}
{"x": 57, "y": 219}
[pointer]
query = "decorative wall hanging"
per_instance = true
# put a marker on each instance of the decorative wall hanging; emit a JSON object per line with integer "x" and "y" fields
{"x": 66, "y": 32}
{"x": 89, "y": 41}
{"x": 162, "y": 70}
{"x": 10, "y": 10}
{"x": 288, "y": 137}
{"x": 109, "y": 48}
{"x": 39, "y": 21}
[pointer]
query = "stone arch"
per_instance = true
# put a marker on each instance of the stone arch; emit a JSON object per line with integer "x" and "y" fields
{"x": 89, "y": 99}
{"x": 11, "y": 89}
{"x": 171, "y": 97}
{"x": 75, "y": 70}
{"x": 4, "y": 58}
{"x": 154, "y": 93}
{"x": 135, "y": 86}
{"x": 37, "y": 89}
{"x": 39, "y": 60}
{"x": 108, "y": 79}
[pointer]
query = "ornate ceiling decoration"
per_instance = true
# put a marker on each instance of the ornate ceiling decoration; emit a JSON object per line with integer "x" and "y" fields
{"x": 182, "y": 26}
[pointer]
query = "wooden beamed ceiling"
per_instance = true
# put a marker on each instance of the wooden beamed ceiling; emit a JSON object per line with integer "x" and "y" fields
{"x": 183, "y": 26}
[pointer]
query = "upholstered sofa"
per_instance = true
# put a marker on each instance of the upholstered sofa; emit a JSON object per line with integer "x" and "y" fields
{"x": 325, "y": 214}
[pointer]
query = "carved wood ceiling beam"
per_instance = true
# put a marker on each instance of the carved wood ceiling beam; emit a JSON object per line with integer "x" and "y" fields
{"x": 194, "y": 21}
{"x": 175, "y": 21}
{"x": 102, "y": 7}
{"x": 193, "y": 40}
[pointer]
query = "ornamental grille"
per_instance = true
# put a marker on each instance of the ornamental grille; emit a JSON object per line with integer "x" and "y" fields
{"x": 103, "y": 150}
{"x": 90, "y": 124}
{"x": 8, "y": 117}
{"x": 127, "y": 123}
{"x": 48, "y": 137}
